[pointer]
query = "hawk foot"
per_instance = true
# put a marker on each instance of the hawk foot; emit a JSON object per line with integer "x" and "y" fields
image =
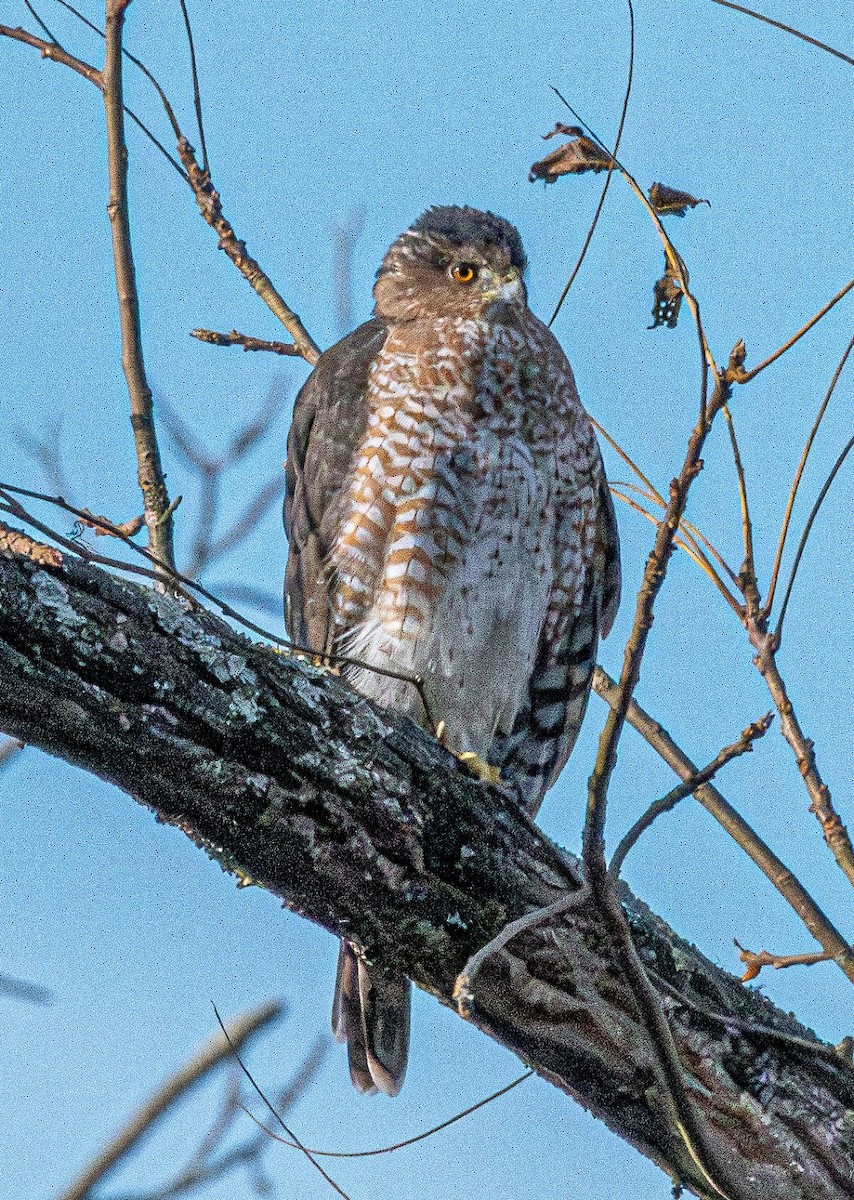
{"x": 479, "y": 767}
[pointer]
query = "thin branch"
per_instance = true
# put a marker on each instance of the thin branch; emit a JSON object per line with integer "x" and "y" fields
{"x": 674, "y": 262}
{"x": 747, "y": 574}
{"x": 245, "y": 341}
{"x": 796, "y": 482}
{"x": 164, "y": 99}
{"x": 419, "y": 1137}
{"x": 464, "y": 984}
{"x": 814, "y": 511}
{"x": 743, "y": 745}
{"x": 653, "y": 579}
{"x": 31, "y": 10}
{"x": 688, "y": 545}
{"x": 150, "y": 471}
{"x": 610, "y": 170}
{"x": 197, "y": 96}
{"x": 46, "y": 451}
{"x": 755, "y": 960}
{"x": 615, "y": 445}
{"x": 293, "y": 1137}
{"x": 219, "y": 1049}
{"x": 210, "y": 1162}
{"x": 737, "y": 374}
{"x": 248, "y": 520}
{"x": 344, "y": 241}
{"x": 787, "y": 884}
{"x": 54, "y": 52}
{"x": 199, "y": 180}
{"x": 786, "y": 28}
{"x": 210, "y": 206}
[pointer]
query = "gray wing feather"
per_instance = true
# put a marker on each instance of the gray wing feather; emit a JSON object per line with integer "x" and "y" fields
{"x": 330, "y": 415}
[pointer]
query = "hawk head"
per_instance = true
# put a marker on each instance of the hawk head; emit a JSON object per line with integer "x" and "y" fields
{"x": 453, "y": 261}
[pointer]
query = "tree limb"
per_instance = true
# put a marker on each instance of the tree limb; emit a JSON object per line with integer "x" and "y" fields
{"x": 363, "y": 824}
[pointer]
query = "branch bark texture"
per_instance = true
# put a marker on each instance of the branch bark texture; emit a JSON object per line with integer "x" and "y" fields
{"x": 363, "y": 824}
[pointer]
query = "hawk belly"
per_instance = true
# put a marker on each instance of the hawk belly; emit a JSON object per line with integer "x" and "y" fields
{"x": 464, "y": 588}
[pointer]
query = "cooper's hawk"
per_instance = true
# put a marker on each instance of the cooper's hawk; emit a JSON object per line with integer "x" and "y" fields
{"x": 449, "y": 517}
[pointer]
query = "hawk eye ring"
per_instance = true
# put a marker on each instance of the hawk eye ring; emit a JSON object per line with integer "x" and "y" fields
{"x": 464, "y": 272}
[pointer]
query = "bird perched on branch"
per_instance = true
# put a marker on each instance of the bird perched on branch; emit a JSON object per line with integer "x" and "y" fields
{"x": 448, "y": 517}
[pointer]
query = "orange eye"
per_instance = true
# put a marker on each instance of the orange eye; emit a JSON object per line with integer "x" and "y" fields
{"x": 464, "y": 272}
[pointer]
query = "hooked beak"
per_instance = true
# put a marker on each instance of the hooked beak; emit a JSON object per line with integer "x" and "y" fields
{"x": 507, "y": 288}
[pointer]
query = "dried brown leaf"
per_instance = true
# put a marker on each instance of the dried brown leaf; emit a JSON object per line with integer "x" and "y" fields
{"x": 667, "y": 298}
{"x": 104, "y": 527}
{"x": 669, "y": 202}
{"x": 572, "y": 158}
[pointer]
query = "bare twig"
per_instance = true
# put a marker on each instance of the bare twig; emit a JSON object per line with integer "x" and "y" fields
{"x": 765, "y": 644}
{"x": 218, "y": 1050}
{"x": 419, "y": 1137}
{"x": 747, "y": 575}
{"x": 755, "y": 960}
{"x": 737, "y": 374}
{"x": 245, "y": 341}
{"x": 786, "y": 28}
{"x": 46, "y": 450}
{"x": 210, "y": 206}
{"x": 776, "y": 871}
{"x": 743, "y": 745}
{"x": 199, "y": 180}
{"x": 796, "y": 482}
{"x": 464, "y": 983}
{"x": 272, "y": 1109}
{"x": 686, "y": 543}
{"x": 653, "y": 578}
{"x": 52, "y": 50}
{"x": 610, "y": 170}
{"x": 211, "y": 1161}
{"x": 211, "y": 469}
{"x": 846, "y": 450}
{"x": 150, "y": 471}
{"x": 197, "y": 96}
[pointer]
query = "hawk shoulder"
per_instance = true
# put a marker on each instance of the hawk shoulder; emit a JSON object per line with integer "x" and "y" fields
{"x": 329, "y": 421}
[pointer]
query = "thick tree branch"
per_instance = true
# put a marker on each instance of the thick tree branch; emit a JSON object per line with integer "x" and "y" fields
{"x": 365, "y": 825}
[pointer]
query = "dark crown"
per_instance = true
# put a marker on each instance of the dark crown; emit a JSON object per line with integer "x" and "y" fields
{"x": 469, "y": 226}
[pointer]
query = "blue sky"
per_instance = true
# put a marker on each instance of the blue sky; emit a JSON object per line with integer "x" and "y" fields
{"x": 311, "y": 111}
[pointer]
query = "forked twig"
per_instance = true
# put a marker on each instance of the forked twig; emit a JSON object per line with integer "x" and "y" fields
{"x": 755, "y": 960}
{"x": 773, "y": 868}
{"x": 737, "y": 374}
{"x": 244, "y": 340}
{"x": 687, "y": 544}
{"x": 743, "y": 745}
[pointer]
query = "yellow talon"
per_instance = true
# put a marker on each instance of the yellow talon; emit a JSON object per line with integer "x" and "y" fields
{"x": 479, "y": 767}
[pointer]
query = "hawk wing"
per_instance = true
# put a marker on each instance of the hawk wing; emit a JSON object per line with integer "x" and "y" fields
{"x": 330, "y": 416}
{"x": 546, "y": 728}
